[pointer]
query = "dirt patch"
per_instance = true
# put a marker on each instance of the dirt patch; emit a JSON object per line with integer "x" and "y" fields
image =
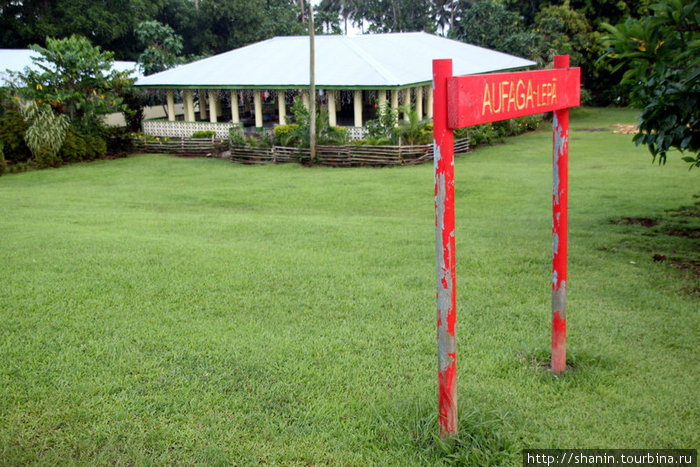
{"x": 643, "y": 221}
{"x": 624, "y": 129}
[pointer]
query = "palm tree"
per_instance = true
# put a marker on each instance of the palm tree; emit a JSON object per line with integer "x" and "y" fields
{"x": 347, "y": 9}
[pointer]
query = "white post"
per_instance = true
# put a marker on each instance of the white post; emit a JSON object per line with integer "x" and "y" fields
{"x": 406, "y": 104}
{"x": 171, "y": 105}
{"x": 419, "y": 102}
{"x": 235, "y": 117}
{"x": 202, "y": 104}
{"x": 258, "y": 108}
{"x": 305, "y": 98}
{"x": 430, "y": 102}
{"x": 357, "y": 101}
{"x": 282, "y": 106}
{"x": 213, "y": 101}
{"x": 381, "y": 100}
{"x": 189, "y": 105}
{"x": 217, "y": 104}
{"x": 395, "y": 101}
{"x": 331, "y": 109}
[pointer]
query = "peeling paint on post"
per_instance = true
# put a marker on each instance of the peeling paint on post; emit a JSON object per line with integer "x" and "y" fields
{"x": 560, "y": 176}
{"x": 445, "y": 252}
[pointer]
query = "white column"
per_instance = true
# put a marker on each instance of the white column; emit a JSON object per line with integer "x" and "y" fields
{"x": 419, "y": 102}
{"x": 282, "y": 106}
{"x": 235, "y": 117}
{"x": 171, "y": 105}
{"x": 332, "y": 121}
{"x": 430, "y": 102}
{"x": 395, "y": 100}
{"x": 213, "y": 97}
{"x": 357, "y": 101}
{"x": 406, "y": 104}
{"x": 258, "y": 108}
{"x": 189, "y": 105}
{"x": 202, "y": 104}
{"x": 381, "y": 100}
{"x": 305, "y": 98}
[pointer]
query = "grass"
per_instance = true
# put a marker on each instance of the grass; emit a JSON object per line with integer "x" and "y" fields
{"x": 161, "y": 310}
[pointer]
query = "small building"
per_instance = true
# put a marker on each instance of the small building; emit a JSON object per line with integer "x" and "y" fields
{"x": 253, "y": 86}
{"x": 17, "y": 60}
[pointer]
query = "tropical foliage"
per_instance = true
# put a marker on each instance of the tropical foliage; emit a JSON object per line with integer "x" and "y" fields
{"x": 661, "y": 58}
{"x": 76, "y": 79}
{"x": 45, "y": 133}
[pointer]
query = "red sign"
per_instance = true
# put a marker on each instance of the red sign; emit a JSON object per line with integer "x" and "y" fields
{"x": 477, "y": 99}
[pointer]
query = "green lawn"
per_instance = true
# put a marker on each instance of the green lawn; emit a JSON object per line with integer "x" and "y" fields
{"x": 164, "y": 310}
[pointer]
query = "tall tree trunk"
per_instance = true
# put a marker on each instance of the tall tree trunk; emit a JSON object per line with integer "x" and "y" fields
{"x": 312, "y": 87}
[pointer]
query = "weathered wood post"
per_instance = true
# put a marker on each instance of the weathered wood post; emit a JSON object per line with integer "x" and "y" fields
{"x": 445, "y": 252}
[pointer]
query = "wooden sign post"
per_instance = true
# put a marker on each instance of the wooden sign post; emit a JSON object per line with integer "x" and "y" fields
{"x": 463, "y": 101}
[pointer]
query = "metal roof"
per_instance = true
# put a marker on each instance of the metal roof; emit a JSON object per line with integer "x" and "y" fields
{"x": 17, "y": 60}
{"x": 363, "y": 61}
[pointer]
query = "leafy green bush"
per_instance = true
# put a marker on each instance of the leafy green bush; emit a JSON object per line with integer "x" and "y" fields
{"x": 3, "y": 164}
{"x": 283, "y": 132}
{"x": 490, "y": 133}
{"x": 381, "y": 128}
{"x": 12, "y": 130}
{"x": 119, "y": 142}
{"x": 45, "y": 133}
{"x": 203, "y": 134}
{"x": 413, "y": 131}
{"x": 96, "y": 147}
{"x": 74, "y": 147}
{"x": 236, "y": 137}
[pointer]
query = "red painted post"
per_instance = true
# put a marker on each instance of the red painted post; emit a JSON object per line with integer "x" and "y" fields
{"x": 560, "y": 208}
{"x": 445, "y": 251}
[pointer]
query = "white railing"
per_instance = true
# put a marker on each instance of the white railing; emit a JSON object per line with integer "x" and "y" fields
{"x": 180, "y": 129}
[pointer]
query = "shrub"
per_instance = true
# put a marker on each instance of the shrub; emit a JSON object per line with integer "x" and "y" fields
{"x": 74, "y": 147}
{"x": 236, "y": 137}
{"x": 96, "y": 147}
{"x": 119, "y": 142}
{"x": 45, "y": 133}
{"x": 283, "y": 132}
{"x": 204, "y": 134}
{"x": 3, "y": 164}
{"x": 12, "y": 130}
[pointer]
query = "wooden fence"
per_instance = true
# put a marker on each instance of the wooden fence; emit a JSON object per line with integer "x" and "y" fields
{"x": 341, "y": 156}
{"x": 194, "y": 146}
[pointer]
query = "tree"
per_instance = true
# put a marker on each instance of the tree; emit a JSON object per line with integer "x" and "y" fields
{"x": 397, "y": 15}
{"x": 562, "y": 31}
{"x": 661, "y": 58}
{"x": 161, "y": 46}
{"x": 346, "y": 9}
{"x": 489, "y": 24}
{"x": 229, "y": 24}
{"x": 75, "y": 79}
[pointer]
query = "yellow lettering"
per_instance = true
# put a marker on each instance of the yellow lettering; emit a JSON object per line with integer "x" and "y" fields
{"x": 529, "y": 95}
{"x": 504, "y": 95}
{"x": 554, "y": 92}
{"x": 520, "y": 103}
{"x": 498, "y": 101}
{"x": 487, "y": 100}
{"x": 511, "y": 96}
